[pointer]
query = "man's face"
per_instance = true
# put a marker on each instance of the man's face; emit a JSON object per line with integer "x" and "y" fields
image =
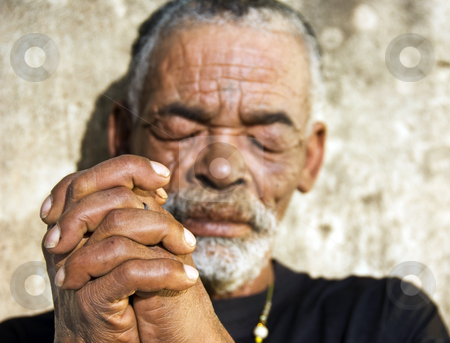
{"x": 228, "y": 82}
{"x": 225, "y": 110}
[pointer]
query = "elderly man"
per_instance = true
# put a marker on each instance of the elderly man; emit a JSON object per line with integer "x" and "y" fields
{"x": 171, "y": 239}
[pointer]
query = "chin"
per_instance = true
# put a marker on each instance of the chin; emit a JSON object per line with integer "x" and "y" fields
{"x": 234, "y": 239}
{"x": 227, "y": 264}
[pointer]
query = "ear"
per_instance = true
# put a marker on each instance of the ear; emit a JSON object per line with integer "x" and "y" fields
{"x": 119, "y": 130}
{"x": 314, "y": 157}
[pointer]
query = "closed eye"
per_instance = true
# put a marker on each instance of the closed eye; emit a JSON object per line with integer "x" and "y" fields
{"x": 164, "y": 136}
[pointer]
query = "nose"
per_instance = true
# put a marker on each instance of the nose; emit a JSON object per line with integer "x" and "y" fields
{"x": 220, "y": 167}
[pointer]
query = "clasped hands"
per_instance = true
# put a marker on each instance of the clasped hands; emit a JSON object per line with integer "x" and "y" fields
{"x": 123, "y": 273}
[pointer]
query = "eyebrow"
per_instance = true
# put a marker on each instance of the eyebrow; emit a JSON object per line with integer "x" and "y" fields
{"x": 191, "y": 113}
{"x": 200, "y": 115}
{"x": 267, "y": 118}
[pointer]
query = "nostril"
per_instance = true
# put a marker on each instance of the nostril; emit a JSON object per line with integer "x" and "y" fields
{"x": 206, "y": 181}
{"x": 209, "y": 183}
{"x": 238, "y": 182}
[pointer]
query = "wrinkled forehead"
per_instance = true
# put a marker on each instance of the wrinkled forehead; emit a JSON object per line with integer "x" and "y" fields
{"x": 210, "y": 56}
{"x": 280, "y": 53}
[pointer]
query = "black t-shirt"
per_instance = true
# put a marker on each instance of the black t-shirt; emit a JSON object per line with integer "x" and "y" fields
{"x": 304, "y": 310}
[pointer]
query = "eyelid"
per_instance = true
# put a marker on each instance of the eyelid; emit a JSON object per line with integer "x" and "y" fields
{"x": 153, "y": 129}
{"x": 260, "y": 145}
{"x": 263, "y": 146}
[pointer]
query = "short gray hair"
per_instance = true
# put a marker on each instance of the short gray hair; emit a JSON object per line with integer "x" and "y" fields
{"x": 262, "y": 14}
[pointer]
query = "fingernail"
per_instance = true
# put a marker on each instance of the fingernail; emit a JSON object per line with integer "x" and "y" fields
{"x": 46, "y": 206}
{"x": 160, "y": 169}
{"x": 59, "y": 278}
{"x": 189, "y": 237}
{"x": 53, "y": 237}
{"x": 161, "y": 193}
{"x": 192, "y": 273}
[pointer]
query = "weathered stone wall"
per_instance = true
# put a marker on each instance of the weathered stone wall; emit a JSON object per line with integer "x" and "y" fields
{"x": 383, "y": 197}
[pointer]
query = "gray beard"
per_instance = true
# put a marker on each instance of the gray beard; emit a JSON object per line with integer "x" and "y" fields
{"x": 226, "y": 264}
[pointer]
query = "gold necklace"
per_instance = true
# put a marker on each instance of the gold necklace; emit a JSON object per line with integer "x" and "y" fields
{"x": 261, "y": 332}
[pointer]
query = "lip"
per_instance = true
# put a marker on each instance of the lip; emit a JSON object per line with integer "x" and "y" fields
{"x": 209, "y": 228}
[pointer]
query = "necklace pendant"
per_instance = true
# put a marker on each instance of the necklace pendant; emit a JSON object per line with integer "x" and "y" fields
{"x": 261, "y": 332}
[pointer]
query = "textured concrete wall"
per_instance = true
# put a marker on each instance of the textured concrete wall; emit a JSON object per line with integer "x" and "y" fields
{"x": 383, "y": 197}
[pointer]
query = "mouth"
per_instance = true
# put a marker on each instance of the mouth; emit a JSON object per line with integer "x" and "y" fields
{"x": 203, "y": 226}
{"x": 207, "y": 217}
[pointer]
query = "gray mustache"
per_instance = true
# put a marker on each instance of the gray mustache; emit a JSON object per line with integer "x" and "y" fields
{"x": 236, "y": 206}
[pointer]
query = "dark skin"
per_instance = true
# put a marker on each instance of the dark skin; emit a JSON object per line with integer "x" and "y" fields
{"x": 223, "y": 82}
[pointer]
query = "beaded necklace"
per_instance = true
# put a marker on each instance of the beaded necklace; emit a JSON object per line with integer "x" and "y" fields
{"x": 261, "y": 332}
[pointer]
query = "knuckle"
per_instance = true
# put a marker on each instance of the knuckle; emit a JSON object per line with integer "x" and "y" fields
{"x": 176, "y": 224}
{"x": 122, "y": 191}
{"x": 75, "y": 260}
{"x": 130, "y": 161}
{"x": 75, "y": 221}
{"x": 171, "y": 275}
{"x": 169, "y": 267}
{"x": 175, "y": 228}
{"x": 123, "y": 196}
{"x": 169, "y": 223}
{"x": 67, "y": 223}
{"x": 77, "y": 187}
{"x": 164, "y": 226}
{"x": 65, "y": 181}
{"x": 127, "y": 271}
{"x": 113, "y": 219}
{"x": 115, "y": 245}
